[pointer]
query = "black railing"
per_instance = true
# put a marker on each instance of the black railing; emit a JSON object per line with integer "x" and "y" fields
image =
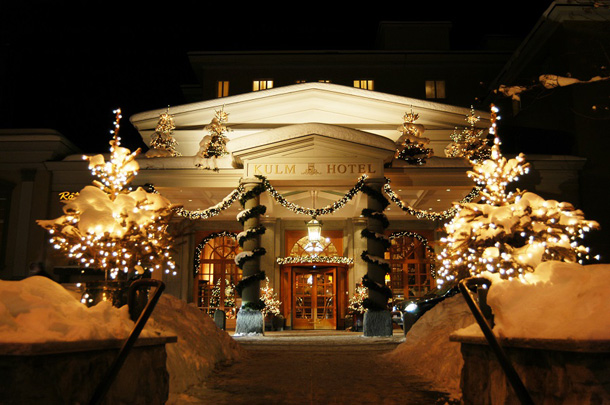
{"x": 112, "y": 373}
{"x": 513, "y": 378}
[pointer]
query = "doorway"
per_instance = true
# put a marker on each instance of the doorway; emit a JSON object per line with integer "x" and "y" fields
{"x": 315, "y": 299}
{"x": 314, "y": 296}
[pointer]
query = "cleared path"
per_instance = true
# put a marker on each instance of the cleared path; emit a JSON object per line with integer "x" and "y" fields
{"x": 316, "y": 368}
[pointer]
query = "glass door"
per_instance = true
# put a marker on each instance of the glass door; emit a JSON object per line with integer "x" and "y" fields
{"x": 314, "y": 298}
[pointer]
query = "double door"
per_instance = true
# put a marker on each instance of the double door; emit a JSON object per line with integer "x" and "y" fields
{"x": 314, "y": 298}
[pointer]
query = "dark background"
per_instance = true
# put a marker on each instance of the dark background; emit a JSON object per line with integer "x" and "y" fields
{"x": 66, "y": 65}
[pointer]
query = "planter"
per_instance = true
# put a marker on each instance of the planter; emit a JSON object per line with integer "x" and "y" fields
{"x": 69, "y": 372}
{"x": 553, "y": 371}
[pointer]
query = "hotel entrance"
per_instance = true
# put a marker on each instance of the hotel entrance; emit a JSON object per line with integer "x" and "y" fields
{"x": 314, "y": 296}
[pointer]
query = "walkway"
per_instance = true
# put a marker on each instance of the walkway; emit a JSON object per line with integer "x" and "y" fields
{"x": 313, "y": 367}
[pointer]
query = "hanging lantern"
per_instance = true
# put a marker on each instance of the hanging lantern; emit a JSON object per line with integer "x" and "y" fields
{"x": 314, "y": 230}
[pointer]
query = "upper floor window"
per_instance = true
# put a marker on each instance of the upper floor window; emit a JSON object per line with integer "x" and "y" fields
{"x": 262, "y": 85}
{"x": 222, "y": 89}
{"x": 364, "y": 84}
{"x": 435, "y": 89}
{"x": 301, "y": 81}
{"x": 323, "y": 81}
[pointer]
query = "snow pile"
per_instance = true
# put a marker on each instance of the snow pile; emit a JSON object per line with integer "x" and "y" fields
{"x": 39, "y": 310}
{"x": 427, "y": 349}
{"x": 559, "y": 301}
{"x": 201, "y": 344}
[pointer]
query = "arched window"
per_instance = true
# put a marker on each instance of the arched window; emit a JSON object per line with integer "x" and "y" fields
{"x": 411, "y": 261}
{"x": 324, "y": 247}
{"x": 218, "y": 274}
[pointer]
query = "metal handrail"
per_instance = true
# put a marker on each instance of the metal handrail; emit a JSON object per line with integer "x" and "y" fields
{"x": 512, "y": 376}
{"x": 112, "y": 373}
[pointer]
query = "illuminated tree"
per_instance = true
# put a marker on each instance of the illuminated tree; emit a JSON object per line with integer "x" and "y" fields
{"x": 269, "y": 297}
{"x": 110, "y": 227}
{"x": 213, "y": 145}
{"x": 470, "y": 142}
{"x": 163, "y": 143}
{"x": 413, "y": 147}
{"x": 356, "y": 301}
{"x": 511, "y": 232}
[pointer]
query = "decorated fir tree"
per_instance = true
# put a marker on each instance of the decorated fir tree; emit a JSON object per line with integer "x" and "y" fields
{"x": 213, "y": 145}
{"x": 413, "y": 148}
{"x": 110, "y": 227}
{"x": 509, "y": 233}
{"x": 470, "y": 142}
{"x": 269, "y": 297}
{"x": 163, "y": 143}
{"x": 355, "y": 304}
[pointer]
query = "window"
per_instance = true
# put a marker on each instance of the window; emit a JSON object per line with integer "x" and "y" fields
{"x": 323, "y": 248}
{"x": 218, "y": 275}
{"x": 363, "y": 84}
{"x": 223, "y": 89}
{"x": 435, "y": 89}
{"x": 262, "y": 85}
{"x": 411, "y": 263}
{"x": 323, "y": 81}
{"x": 301, "y": 81}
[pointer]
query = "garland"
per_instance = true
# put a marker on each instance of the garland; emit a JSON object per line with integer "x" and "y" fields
{"x": 314, "y": 259}
{"x": 385, "y": 266}
{"x": 245, "y": 215}
{"x": 375, "y": 286}
{"x": 421, "y": 214}
{"x": 376, "y": 195}
{"x": 371, "y": 305}
{"x": 202, "y": 244}
{"x": 251, "y": 279}
{"x": 207, "y": 213}
{"x": 377, "y": 236}
{"x": 254, "y": 306}
{"x": 329, "y": 209}
{"x": 248, "y": 195}
{"x": 250, "y": 234}
{"x": 380, "y": 216}
{"x": 243, "y": 257}
{"x": 424, "y": 241}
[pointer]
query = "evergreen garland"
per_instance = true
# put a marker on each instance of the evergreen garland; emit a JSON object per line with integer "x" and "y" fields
{"x": 378, "y": 237}
{"x": 202, "y": 244}
{"x": 254, "y": 306}
{"x": 385, "y": 266}
{"x": 376, "y": 195}
{"x": 250, "y": 234}
{"x": 369, "y": 213}
{"x": 369, "y": 304}
{"x": 243, "y": 257}
{"x": 248, "y": 195}
{"x": 245, "y": 215}
{"x": 246, "y": 281}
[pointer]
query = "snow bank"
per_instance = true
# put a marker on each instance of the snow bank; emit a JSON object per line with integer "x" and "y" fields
{"x": 558, "y": 301}
{"x": 427, "y": 349}
{"x": 201, "y": 344}
{"x": 38, "y": 309}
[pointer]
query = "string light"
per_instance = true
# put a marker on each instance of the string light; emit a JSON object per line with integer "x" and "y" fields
{"x": 163, "y": 142}
{"x": 469, "y": 143}
{"x": 414, "y": 147}
{"x": 314, "y": 259}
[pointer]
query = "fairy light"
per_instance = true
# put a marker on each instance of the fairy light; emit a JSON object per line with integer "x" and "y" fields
{"x": 119, "y": 242}
{"x": 469, "y": 143}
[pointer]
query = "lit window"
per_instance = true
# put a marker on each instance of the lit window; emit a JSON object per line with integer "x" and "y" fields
{"x": 301, "y": 81}
{"x": 223, "y": 89}
{"x": 323, "y": 81}
{"x": 363, "y": 84}
{"x": 262, "y": 85}
{"x": 435, "y": 89}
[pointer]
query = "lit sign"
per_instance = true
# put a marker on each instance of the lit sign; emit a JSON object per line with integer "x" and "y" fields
{"x": 67, "y": 195}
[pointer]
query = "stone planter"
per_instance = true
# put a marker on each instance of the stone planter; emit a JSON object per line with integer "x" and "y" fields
{"x": 553, "y": 371}
{"x": 69, "y": 372}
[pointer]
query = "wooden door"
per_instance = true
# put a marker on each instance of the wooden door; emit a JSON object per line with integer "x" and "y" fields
{"x": 314, "y": 298}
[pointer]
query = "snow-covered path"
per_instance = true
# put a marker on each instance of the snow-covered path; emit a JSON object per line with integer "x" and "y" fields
{"x": 300, "y": 368}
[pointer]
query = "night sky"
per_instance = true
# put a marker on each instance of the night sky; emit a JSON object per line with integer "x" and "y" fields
{"x": 66, "y": 65}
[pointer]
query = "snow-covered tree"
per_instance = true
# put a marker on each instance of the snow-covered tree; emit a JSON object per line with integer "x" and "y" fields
{"x": 213, "y": 145}
{"x": 510, "y": 233}
{"x": 412, "y": 146}
{"x": 110, "y": 227}
{"x": 163, "y": 143}
{"x": 470, "y": 142}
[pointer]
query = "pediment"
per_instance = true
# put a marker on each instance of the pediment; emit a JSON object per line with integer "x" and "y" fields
{"x": 313, "y": 141}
